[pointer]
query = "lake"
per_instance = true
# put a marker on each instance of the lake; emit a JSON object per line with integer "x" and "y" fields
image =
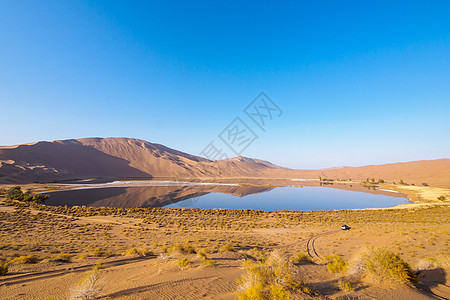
{"x": 229, "y": 196}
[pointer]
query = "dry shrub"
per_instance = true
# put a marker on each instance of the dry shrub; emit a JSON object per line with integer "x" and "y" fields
{"x": 184, "y": 263}
{"x": 137, "y": 251}
{"x": 345, "y": 285}
{"x": 62, "y": 257}
{"x": 336, "y": 264}
{"x": 227, "y": 248}
{"x": 300, "y": 258}
{"x": 441, "y": 261}
{"x": 383, "y": 266}
{"x": 89, "y": 286}
{"x": 271, "y": 279}
{"x": 208, "y": 262}
{"x": 24, "y": 259}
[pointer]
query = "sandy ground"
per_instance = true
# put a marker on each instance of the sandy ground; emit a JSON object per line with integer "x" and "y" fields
{"x": 91, "y": 235}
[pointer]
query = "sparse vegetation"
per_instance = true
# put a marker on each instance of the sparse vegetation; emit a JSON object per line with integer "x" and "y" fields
{"x": 300, "y": 258}
{"x": 89, "y": 286}
{"x": 184, "y": 263}
{"x": 15, "y": 193}
{"x": 24, "y": 259}
{"x": 336, "y": 264}
{"x": 272, "y": 279}
{"x": 137, "y": 251}
{"x": 383, "y": 265}
{"x": 3, "y": 268}
{"x": 345, "y": 285}
{"x": 227, "y": 248}
{"x": 62, "y": 257}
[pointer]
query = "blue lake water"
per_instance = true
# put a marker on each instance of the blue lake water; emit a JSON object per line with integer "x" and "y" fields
{"x": 229, "y": 197}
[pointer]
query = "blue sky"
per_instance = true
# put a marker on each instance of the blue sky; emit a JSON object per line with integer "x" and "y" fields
{"x": 359, "y": 82}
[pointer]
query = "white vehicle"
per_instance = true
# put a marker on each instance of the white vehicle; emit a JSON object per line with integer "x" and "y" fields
{"x": 345, "y": 227}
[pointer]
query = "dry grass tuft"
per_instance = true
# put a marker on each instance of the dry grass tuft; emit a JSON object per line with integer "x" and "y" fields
{"x": 89, "y": 287}
{"x": 383, "y": 266}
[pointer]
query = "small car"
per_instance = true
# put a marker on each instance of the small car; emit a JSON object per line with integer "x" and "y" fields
{"x": 345, "y": 227}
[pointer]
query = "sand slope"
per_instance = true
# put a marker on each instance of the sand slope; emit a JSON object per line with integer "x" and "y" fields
{"x": 133, "y": 158}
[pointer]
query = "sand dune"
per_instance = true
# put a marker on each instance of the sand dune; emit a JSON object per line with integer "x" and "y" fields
{"x": 118, "y": 158}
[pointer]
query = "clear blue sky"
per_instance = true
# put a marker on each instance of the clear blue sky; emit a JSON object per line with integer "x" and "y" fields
{"x": 359, "y": 82}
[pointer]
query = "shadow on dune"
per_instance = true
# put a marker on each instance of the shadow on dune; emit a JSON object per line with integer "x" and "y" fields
{"x": 45, "y": 162}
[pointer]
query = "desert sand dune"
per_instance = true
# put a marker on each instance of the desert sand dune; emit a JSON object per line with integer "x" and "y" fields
{"x": 117, "y": 158}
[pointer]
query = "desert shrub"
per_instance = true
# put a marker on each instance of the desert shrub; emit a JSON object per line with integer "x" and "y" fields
{"x": 271, "y": 279}
{"x": 384, "y": 265}
{"x": 99, "y": 252}
{"x": 3, "y": 269}
{"x": 181, "y": 249}
{"x": 227, "y": 248}
{"x": 442, "y": 198}
{"x": 137, "y": 251}
{"x": 62, "y": 257}
{"x": 336, "y": 264}
{"x": 257, "y": 254}
{"x": 299, "y": 258}
{"x": 208, "y": 262}
{"x": 345, "y": 285}
{"x": 16, "y": 193}
{"x": 38, "y": 198}
{"x": 183, "y": 263}
{"x": 189, "y": 249}
{"x": 425, "y": 184}
{"x": 89, "y": 286}
{"x": 441, "y": 261}
{"x": 202, "y": 254}
{"x": 24, "y": 259}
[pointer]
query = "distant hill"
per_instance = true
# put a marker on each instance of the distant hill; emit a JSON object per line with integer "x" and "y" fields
{"x": 118, "y": 158}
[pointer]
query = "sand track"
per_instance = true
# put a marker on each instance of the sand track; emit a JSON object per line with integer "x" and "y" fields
{"x": 310, "y": 244}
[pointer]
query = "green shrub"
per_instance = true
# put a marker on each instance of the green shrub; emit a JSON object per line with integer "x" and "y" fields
{"x": 345, "y": 285}
{"x": 15, "y": 193}
{"x": 3, "y": 269}
{"x": 336, "y": 264}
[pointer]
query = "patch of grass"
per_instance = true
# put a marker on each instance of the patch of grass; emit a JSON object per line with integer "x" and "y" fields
{"x": 227, "y": 248}
{"x": 430, "y": 262}
{"x": 62, "y": 257}
{"x": 24, "y": 259}
{"x": 384, "y": 265}
{"x": 300, "y": 258}
{"x": 336, "y": 264}
{"x": 345, "y": 285}
{"x": 137, "y": 251}
{"x": 99, "y": 252}
{"x": 184, "y": 263}
{"x": 271, "y": 279}
{"x": 208, "y": 263}
{"x": 3, "y": 269}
